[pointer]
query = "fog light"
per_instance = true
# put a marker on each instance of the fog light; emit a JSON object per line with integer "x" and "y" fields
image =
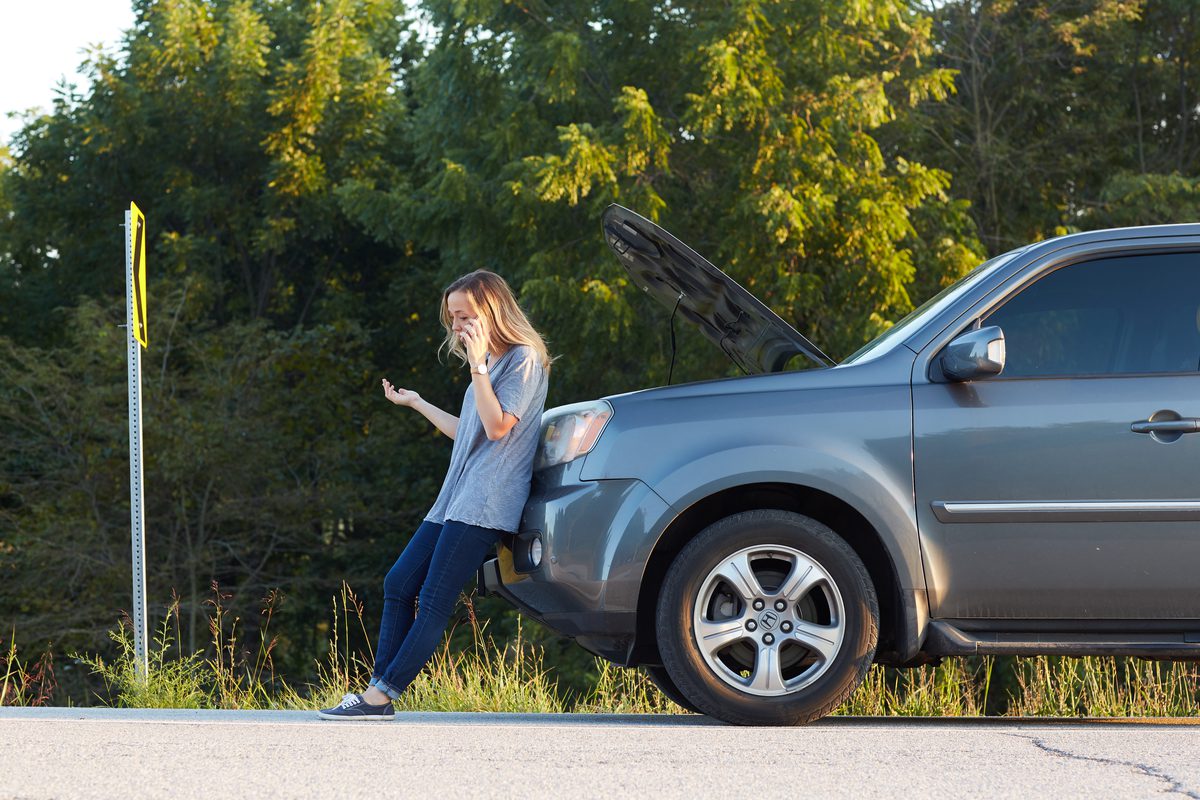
{"x": 535, "y": 552}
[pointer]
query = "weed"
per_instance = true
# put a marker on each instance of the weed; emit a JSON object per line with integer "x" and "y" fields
{"x": 178, "y": 682}
{"x": 624, "y": 691}
{"x": 949, "y": 689}
{"x": 22, "y": 685}
{"x": 342, "y": 670}
{"x": 1104, "y": 687}
{"x": 237, "y": 682}
{"x": 484, "y": 677}
{"x": 511, "y": 675}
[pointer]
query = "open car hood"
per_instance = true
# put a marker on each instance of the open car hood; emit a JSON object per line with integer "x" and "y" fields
{"x": 751, "y": 334}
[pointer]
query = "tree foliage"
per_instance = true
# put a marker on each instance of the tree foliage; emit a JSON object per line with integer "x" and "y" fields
{"x": 746, "y": 128}
{"x": 1061, "y": 104}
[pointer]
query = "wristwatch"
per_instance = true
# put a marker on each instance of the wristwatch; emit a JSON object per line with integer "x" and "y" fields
{"x": 481, "y": 368}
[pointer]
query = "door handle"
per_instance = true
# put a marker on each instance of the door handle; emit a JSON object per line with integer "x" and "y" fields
{"x": 1188, "y": 425}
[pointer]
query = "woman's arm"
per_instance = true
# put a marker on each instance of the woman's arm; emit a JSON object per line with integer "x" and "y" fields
{"x": 496, "y": 421}
{"x": 444, "y": 421}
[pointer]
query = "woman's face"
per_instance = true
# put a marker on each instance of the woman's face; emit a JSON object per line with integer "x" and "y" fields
{"x": 460, "y": 309}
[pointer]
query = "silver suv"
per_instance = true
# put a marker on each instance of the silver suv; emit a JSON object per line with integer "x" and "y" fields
{"x": 1007, "y": 470}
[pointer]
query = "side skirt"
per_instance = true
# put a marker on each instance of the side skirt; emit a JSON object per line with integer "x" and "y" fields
{"x": 945, "y": 639}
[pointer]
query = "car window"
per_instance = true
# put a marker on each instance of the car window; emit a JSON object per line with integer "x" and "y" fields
{"x": 1132, "y": 314}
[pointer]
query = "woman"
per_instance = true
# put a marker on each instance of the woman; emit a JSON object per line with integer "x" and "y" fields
{"x": 485, "y": 489}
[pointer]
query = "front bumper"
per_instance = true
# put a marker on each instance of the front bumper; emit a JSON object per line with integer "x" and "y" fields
{"x": 596, "y": 537}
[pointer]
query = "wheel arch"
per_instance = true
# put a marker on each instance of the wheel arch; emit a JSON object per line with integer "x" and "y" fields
{"x": 895, "y": 636}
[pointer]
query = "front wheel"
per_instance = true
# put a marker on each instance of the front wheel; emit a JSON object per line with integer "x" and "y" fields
{"x": 767, "y": 617}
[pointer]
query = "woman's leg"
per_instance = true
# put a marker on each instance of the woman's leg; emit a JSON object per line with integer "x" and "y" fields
{"x": 400, "y": 589}
{"x": 459, "y": 552}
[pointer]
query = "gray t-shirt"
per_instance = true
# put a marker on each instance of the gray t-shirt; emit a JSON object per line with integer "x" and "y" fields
{"x": 487, "y": 483}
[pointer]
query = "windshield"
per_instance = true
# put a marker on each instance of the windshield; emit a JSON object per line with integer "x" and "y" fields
{"x": 893, "y": 335}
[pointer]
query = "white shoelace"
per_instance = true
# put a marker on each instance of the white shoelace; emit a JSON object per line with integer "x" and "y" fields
{"x": 350, "y": 701}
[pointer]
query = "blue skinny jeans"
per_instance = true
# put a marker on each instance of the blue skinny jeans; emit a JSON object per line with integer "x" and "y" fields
{"x": 430, "y": 572}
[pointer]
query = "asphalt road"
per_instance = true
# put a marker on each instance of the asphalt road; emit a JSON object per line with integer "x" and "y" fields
{"x": 111, "y": 753}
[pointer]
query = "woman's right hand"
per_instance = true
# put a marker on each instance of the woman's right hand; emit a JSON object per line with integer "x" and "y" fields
{"x": 401, "y": 397}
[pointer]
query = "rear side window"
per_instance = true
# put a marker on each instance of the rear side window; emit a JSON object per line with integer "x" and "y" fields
{"x": 1132, "y": 314}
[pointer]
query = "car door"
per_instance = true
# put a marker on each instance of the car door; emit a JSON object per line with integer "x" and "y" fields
{"x": 1067, "y": 487}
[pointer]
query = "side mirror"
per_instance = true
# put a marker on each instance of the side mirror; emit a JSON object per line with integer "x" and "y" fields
{"x": 974, "y": 355}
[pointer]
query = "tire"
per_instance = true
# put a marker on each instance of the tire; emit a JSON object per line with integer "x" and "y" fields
{"x": 659, "y": 676}
{"x": 796, "y": 656}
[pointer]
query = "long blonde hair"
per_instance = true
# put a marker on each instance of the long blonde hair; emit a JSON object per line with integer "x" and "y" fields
{"x": 492, "y": 300}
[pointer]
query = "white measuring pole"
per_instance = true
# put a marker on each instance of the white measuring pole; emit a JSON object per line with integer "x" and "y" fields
{"x": 136, "y": 512}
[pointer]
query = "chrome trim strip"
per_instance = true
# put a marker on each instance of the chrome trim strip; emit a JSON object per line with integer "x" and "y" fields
{"x": 1066, "y": 511}
{"x": 1075, "y": 505}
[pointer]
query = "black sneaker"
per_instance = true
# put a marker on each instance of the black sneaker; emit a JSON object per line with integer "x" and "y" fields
{"x": 354, "y": 707}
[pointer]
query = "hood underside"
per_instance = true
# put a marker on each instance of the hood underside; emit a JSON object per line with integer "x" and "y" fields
{"x": 752, "y": 335}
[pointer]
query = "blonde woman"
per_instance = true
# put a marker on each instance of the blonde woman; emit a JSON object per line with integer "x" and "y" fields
{"x": 485, "y": 489}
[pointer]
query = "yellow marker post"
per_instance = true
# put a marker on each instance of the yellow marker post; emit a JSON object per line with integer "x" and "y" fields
{"x": 135, "y": 319}
{"x": 137, "y": 269}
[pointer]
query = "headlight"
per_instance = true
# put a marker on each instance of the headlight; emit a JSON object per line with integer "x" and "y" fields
{"x": 571, "y": 431}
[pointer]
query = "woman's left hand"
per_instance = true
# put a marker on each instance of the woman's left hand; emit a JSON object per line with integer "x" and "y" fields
{"x": 475, "y": 340}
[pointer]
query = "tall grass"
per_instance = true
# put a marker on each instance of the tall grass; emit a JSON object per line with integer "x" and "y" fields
{"x": 949, "y": 689}
{"x": 342, "y": 670}
{"x": 238, "y": 682}
{"x": 1105, "y": 687}
{"x": 486, "y": 676}
{"x": 171, "y": 680}
{"x": 22, "y": 684}
{"x": 624, "y": 691}
{"x": 510, "y": 675}
{"x": 233, "y": 676}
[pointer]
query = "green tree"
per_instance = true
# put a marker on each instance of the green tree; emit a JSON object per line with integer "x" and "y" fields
{"x": 230, "y": 122}
{"x": 266, "y": 468}
{"x": 1068, "y": 115}
{"x": 747, "y": 128}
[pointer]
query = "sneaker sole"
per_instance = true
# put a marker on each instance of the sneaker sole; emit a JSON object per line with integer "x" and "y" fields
{"x": 364, "y": 718}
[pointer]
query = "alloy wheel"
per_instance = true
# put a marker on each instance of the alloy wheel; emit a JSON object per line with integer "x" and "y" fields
{"x": 769, "y": 620}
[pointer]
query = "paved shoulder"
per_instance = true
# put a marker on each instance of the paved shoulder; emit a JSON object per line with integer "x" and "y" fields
{"x": 120, "y": 753}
